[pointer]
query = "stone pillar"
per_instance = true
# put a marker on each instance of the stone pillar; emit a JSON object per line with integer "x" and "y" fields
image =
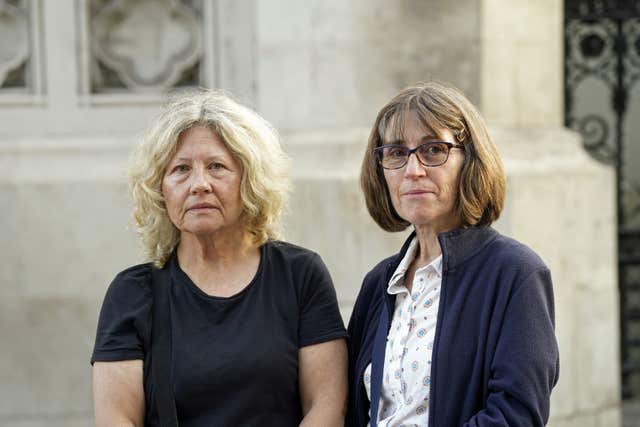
{"x": 521, "y": 76}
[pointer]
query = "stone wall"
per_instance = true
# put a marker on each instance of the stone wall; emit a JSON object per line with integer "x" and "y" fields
{"x": 332, "y": 64}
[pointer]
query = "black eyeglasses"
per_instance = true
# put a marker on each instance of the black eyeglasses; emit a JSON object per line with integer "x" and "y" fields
{"x": 434, "y": 153}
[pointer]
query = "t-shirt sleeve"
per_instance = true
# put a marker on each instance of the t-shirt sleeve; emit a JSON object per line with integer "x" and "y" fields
{"x": 320, "y": 319}
{"x": 125, "y": 317}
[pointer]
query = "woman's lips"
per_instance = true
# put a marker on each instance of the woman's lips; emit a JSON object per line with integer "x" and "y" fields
{"x": 417, "y": 192}
{"x": 201, "y": 207}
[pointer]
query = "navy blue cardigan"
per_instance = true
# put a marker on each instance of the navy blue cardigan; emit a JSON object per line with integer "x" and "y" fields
{"x": 495, "y": 356}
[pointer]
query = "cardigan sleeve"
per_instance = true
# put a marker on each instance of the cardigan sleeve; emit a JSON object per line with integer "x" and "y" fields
{"x": 525, "y": 364}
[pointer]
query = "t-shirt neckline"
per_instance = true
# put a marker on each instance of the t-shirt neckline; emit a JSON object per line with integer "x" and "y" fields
{"x": 179, "y": 276}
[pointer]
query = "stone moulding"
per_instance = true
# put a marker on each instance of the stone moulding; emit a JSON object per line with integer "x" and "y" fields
{"x": 148, "y": 43}
{"x": 14, "y": 39}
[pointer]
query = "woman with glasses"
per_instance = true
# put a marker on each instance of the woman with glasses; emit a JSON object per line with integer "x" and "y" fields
{"x": 456, "y": 329}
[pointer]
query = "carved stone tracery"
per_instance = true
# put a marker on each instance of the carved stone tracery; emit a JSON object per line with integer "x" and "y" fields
{"x": 148, "y": 44}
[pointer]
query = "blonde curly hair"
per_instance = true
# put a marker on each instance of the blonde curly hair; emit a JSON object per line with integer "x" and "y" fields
{"x": 251, "y": 139}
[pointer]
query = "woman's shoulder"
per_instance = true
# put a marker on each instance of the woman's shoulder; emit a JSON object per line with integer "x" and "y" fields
{"x": 291, "y": 252}
{"x": 303, "y": 266}
{"x": 517, "y": 261}
{"x": 139, "y": 274}
{"x": 131, "y": 282}
{"x": 509, "y": 250}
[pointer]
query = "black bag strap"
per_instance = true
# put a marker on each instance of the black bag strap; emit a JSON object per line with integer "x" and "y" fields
{"x": 161, "y": 348}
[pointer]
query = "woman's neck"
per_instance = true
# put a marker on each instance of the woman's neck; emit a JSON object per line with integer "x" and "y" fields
{"x": 428, "y": 246}
{"x": 213, "y": 249}
{"x": 219, "y": 265}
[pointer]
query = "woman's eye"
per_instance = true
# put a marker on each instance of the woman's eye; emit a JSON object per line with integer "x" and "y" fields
{"x": 433, "y": 149}
{"x": 216, "y": 166}
{"x": 181, "y": 168}
{"x": 396, "y": 152}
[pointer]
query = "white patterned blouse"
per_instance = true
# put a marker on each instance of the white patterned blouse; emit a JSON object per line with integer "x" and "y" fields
{"x": 404, "y": 398}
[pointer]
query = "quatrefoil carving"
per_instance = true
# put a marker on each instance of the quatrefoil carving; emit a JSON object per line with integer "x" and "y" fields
{"x": 148, "y": 43}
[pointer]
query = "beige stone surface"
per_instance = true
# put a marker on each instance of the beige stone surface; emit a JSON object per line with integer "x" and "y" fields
{"x": 348, "y": 58}
{"x": 69, "y": 236}
{"x": 69, "y": 420}
{"x": 521, "y": 62}
{"x": 605, "y": 417}
{"x": 577, "y": 420}
{"x": 596, "y": 314}
{"x": 45, "y": 368}
{"x": 610, "y": 417}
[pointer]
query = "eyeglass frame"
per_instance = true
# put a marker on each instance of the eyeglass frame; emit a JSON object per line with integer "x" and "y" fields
{"x": 379, "y": 150}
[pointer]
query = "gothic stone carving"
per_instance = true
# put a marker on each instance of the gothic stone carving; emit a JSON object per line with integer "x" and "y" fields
{"x": 149, "y": 44}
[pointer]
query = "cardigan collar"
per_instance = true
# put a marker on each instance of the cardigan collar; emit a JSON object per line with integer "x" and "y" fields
{"x": 457, "y": 246}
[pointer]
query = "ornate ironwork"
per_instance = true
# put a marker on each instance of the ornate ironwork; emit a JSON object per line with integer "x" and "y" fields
{"x": 602, "y": 53}
{"x": 596, "y": 9}
{"x": 590, "y": 53}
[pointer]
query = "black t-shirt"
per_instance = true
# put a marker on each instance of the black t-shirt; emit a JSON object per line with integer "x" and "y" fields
{"x": 234, "y": 360}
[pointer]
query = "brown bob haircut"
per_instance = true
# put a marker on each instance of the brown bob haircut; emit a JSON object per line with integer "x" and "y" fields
{"x": 438, "y": 106}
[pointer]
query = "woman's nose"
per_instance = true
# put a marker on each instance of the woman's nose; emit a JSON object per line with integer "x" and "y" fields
{"x": 200, "y": 181}
{"x": 413, "y": 166}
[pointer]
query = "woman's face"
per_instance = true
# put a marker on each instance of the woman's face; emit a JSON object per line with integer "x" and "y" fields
{"x": 201, "y": 185}
{"x": 424, "y": 196}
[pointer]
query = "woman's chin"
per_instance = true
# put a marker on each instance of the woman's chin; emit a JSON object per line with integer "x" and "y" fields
{"x": 203, "y": 228}
{"x": 206, "y": 227}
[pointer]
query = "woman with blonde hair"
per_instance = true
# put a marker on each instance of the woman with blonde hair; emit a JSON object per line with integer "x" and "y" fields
{"x": 226, "y": 325}
{"x": 457, "y": 329}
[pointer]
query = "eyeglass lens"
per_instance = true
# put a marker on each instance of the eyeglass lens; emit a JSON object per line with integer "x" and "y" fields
{"x": 429, "y": 154}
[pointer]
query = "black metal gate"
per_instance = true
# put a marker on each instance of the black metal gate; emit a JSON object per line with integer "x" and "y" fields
{"x": 602, "y": 66}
